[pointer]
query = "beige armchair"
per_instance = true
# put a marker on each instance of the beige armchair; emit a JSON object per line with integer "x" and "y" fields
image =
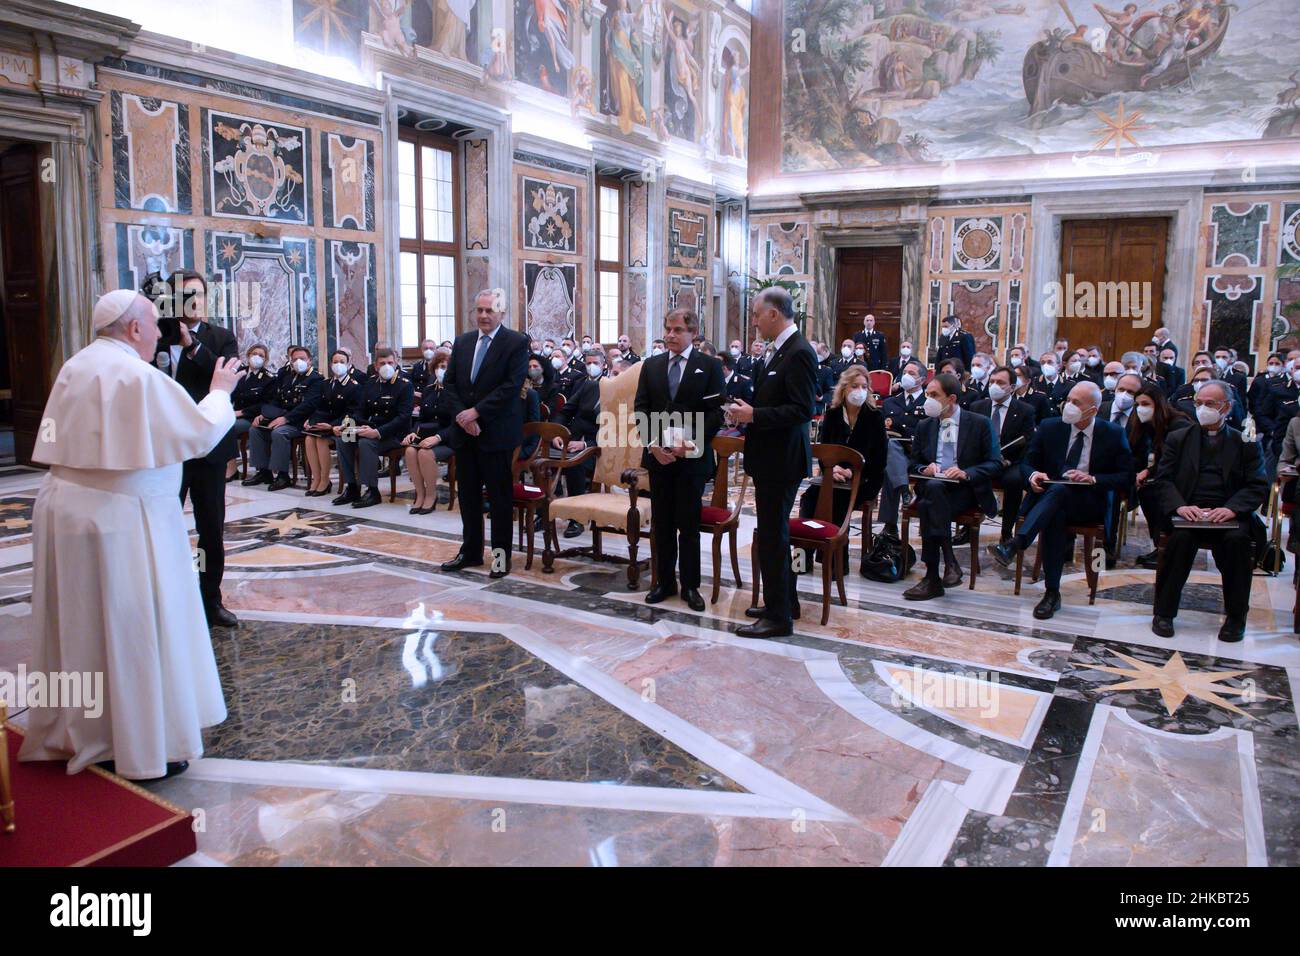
{"x": 619, "y": 502}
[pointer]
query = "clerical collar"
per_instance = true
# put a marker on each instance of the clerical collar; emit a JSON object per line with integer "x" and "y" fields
{"x": 118, "y": 343}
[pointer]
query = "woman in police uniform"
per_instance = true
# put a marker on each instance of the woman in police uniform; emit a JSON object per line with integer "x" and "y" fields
{"x": 431, "y": 443}
{"x": 248, "y": 396}
{"x": 341, "y": 393}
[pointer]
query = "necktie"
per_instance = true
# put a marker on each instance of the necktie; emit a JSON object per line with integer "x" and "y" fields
{"x": 674, "y": 376}
{"x": 947, "y": 444}
{"x": 1120, "y": 418}
{"x": 997, "y": 420}
{"x": 1076, "y": 452}
{"x": 483, "y": 343}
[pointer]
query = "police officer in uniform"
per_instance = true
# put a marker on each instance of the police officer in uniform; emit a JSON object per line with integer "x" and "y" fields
{"x": 419, "y": 373}
{"x": 877, "y": 349}
{"x": 735, "y": 384}
{"x": 339, "y": 396}
{"x": 954, "y": 343}
{"x": 382, "y": 418}
{"x": 281, "y": 421}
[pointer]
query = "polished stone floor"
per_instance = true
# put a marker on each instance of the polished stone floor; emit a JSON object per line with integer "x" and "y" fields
{"x": 383, "y": 712}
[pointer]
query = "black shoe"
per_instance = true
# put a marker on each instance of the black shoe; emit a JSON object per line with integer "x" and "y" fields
{"x": 573, "y": 530}
{"x": 1162, "y": 626}
{"x": 496, "y": 574}
{"x": 350, "y": 494}
{"x": 538, "y": 527}
{"x": 1004, "y": 553}
{"x": 174, "y": 769}
{"x": 924, "y": 590}
{"x": 462, "y": 560}
{"x": 234, "y": 477}
{"x": 692, "y": 598}
{"x": 279, "y": 483}
{"x": 1150, "y": 560}
{"x": 951, "y": 576}
{"x": 765, "y": 629}
{"x": 659, "y": 593}
{"x": 1233, "y": 630}
{"x": 218, "y": 616}
{"x": 368, "y": 500}
{"x": 962, "y": 536}
{"x": 259, "y": 478}
{"x": 761, "y": 612}
{"x": 1112, "y": 561}
{"x": 1049, "y": 605}
{"x": 320, "y": 492}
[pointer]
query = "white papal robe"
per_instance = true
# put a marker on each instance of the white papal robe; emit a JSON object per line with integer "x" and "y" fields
{"x": 115, "y": 589}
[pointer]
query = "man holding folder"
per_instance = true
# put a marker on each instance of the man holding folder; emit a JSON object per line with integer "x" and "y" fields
{"x": 679, "y": 401}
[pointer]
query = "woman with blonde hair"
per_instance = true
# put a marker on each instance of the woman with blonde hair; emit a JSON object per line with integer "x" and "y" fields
{"x": 852, "y": 419}
{"x": 433, "y": 440}
{"x": 342, "y": 393}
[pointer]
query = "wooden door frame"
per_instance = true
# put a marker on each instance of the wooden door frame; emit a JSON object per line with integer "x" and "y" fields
{"x": 828, "y": 240}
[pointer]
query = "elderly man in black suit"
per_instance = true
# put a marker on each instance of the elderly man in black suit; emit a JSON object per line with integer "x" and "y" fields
{"x": 189, "y": 355}
{"x": 1013, "y": 424}
{"x": 1094, "y": 457}
{"x": 778, "y": 454}
{"x": 1210, "y": 474}
{"x": 484, "y": 377}
{"x": 957, "y": 450}
{"x": 679, "y": 399}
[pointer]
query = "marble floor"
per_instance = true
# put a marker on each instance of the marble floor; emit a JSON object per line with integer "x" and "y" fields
{"x": 384, "y": 712}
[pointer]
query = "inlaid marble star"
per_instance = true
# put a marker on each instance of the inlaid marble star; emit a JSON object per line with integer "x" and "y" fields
{"x": 294, "y": 257}
{"x": 228, "y": 251}
{"x": 1175, "y": 682}
{"x": 289, "y": 523}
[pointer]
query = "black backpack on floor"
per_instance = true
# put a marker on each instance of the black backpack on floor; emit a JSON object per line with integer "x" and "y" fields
{"x": 888, "y": 561}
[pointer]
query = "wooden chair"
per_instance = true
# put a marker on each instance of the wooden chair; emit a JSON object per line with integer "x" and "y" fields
{"x": 1091, "y": 535}
{"x": 970, "y": 520}
{"x": 620, "y": 505}
{"x": 717, "y": 518}
{"x": 297, "y": 451}
{"x": 243, "y": 455}
{"x": 818, "y": 533}
{"x": 881, "y": 381}
{"x": 544, "y": 467}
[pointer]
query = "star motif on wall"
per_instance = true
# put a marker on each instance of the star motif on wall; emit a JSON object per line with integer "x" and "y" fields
{"x": 72, "y": 71}
{"x": 1175, "y": 682}
{"x": 289, "y": 523}
{"x": 294, "y": 257}
{"x": 1119, "y": 127}
{"x": 229, "y": 251}
{"x": 330, "y": 18}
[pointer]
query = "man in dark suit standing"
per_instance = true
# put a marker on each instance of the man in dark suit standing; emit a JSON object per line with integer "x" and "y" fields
{"x": 484, "y": 377}
{"x": 1077, "y": 447}
{"x": 189, "y": 357}
{"x": 957, "y": 445}
{"x": 778, "y": 453}
{"x": 877, "y": 349}
{"x": 679, "y": 399}
{"x": 1013, "y": 424}
{"x": 1210, "y": 474}
{"x": 954, "y": 343}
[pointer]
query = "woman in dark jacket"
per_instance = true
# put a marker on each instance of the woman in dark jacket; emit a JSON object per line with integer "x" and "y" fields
{"x": 248, "y": 396}
{"x": 433, "y": 440}
{"x": 342, "y": 391}
{"x": 853, "y": 420}
{"x": 1153, "y": 418}
{"x": 532, "y": 401}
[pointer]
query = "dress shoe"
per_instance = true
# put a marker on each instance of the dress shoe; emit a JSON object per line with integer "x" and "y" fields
{"x": 498, "y": 573}
{"x": 795, "y": 612}
{"x": 924, "y": 590}
{"x": 261, "y": 477}
{"x": 350, "y": 494}
{"x": 219, "y": 616}
{"x": 279, "y": 483}
{"x": 462, "y": 560}
{"x": 1112, "y": 561}
{"x": 951, "y": 576}
{"x": 415, "y": 510}
{"x": 962, "y": 536}
{"x": 321, "y": 492}
{"x": 232, "y": 477}
{"x": 693, "y": 599}
{"x": 1004, "y": 553}
{"x": 176, "y": 768}
{"x": 765, "y": 629}
{"x": 573, "y": 530}
{"x": 1162, "y": 626}
{"x": 368, "y": 500}
{"x": 659, "y": 593}
{"x": 1049, "y": 605}
{"x": 1150, "y": 560}
{"x": 1233, "y": 630}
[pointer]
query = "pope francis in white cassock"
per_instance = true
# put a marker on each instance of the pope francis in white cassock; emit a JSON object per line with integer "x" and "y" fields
{"x": 115, "y": 589}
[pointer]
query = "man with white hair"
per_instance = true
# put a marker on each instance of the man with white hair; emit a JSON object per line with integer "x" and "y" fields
{"x": 115, "y": 590}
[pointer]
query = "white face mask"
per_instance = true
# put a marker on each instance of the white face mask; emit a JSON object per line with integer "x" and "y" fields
{"x": 594, "y": 370}
{"x": 856, "y": 396}
{"x": 1275, "y": 370}
{"x": 567, "y": 350}
{"x": 428, "y": 355}
{"x": 1123, "y": 401}
{"x": 1295, "y": 374}
{"x": 949, "y": 331}
{"x": 1093, "y": 361}
{"x": 1049, "y": 371}
{"x": 300, "y": 366}
{"x": 1109, "y": 381}
{"x": 657, "y": 350}
{"x": 255, "y": 362}
{"x": 1168, "y": 361}
{"x": 1196, "y": 386}
{"x": 859, "y": 352}
{"x": 340, "y": 369}
{"x": 386, "y": 372}
{"x": 905, "y": 352}
{"x": 997, "y": 392}
{"x": 1017, "y": 361}
{"x": 978, "y": 373}
{"x": 535, "y": 374}
{"x": 1222, "y": 363}
{"x": 1075, "y": 367}
{"x": 440, "y": 374}
{"x": 1071, "y": 413}
{"x": 735, "y": 351}
{"x": 908, "y": 381}
{"x": 557, "y": 363}
{"x": 1209, "y": 417}
{"x": 933, "y": 407}
{"x": 1146, "y": 412}
{"x": 846, "y": 352}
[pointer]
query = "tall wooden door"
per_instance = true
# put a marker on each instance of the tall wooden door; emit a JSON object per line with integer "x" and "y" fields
{"x": 22, "y": 290}
{"x": 1112, "y": 282}
{"x": 869, "y": 279}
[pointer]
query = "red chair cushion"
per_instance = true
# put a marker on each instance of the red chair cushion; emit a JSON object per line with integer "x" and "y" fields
{"x": 800, "y": 528}
{"x": 1288, "y": 507}
{"x": 711, "y": 515}
{"x": 527, "y": 494}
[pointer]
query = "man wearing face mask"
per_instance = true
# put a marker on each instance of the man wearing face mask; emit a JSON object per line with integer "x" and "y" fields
{"x": 746, "y": 364}
{"x": 842, "y": 361}
{"x": 954, "y": 343}
{"x": 978, "y": 386}
{"x": 565, "y": 375}
{"x": 1048, "y": 381}
{"x": 825, "y": 378}
{"x": 737, "y": 385}
{"x": 1026, "y": 391}
{"x": 382, "y": 416}
{"x": 1210, "y": 474}
{"x": 1119, "y": 410}
{"x": 1093, "y": 367}
{"x": 1173, "y": 374}
{"x": 419, "y": 374}
{"x": 281, "y": 419}
{"x": 1224, "y": 360}
{"x": 959, "y": 445}
{"x": 1110, "y": 377}
{"x": 876, "y": 349}
{"x": 1200, "y": 378}
{"x": 1077, "y": 447}
{"x": 895, "y": 366}
{"x": 1013, "y": 423}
